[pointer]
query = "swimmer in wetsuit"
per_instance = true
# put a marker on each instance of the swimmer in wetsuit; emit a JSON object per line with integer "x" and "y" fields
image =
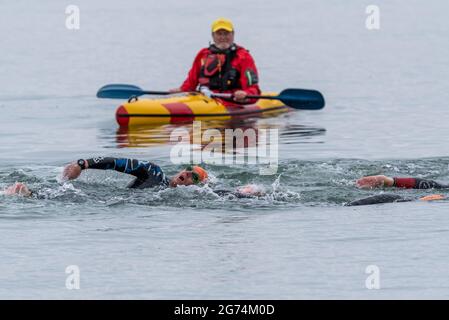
{"x": 384, "y": 181}
{"x": 147, "y": 175}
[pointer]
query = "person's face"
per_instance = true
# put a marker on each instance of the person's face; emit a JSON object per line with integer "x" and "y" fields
{"x": 223, "y": 39}
{"x": 184, "y": 178}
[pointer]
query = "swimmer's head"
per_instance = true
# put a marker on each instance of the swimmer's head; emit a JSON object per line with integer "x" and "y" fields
{"x": 188, "y": 176}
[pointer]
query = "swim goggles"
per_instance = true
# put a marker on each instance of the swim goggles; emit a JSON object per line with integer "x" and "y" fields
{"x": 195, "y": 176}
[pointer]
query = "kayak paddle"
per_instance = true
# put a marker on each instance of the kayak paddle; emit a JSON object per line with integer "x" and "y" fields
{"x": 295, "y": 98}
{"x": 124, "y": 91}
{"x": 303, "y": 99}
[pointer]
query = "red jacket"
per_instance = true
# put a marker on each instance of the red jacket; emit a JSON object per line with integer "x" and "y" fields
{"x": 242, "y": 61}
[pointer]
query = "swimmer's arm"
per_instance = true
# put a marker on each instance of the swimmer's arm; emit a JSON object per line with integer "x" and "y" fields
{"x": 374, "y": 182}
{"x": 408, "y": 183}
{"x": 247, "y": 191}
{"x": 251, "y": 190}
{"x": 237, "y": 194}
{"x": 417, "y": 183}
{"x": 133, "y": 167}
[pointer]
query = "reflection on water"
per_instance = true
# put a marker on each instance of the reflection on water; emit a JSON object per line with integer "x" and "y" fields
{"x": 294, "y": 134}
{"x": 252, "y": 130}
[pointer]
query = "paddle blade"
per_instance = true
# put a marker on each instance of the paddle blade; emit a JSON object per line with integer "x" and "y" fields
{"x": 302, "y": 99}
{"x": 119, "y": 91}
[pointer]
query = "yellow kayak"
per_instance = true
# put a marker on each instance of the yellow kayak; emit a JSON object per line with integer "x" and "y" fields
{"x": 191, "y": 107}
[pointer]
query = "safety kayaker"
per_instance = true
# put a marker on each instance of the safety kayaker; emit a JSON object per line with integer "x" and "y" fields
{"x": 223, "y": 67}
{"x": 370, "y": 182}
{"x": 147, "y": 175}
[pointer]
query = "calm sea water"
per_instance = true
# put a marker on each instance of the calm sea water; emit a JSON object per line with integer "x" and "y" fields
{"x": 386, "y": 113}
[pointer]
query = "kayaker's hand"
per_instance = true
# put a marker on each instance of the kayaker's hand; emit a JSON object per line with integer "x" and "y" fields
{"x": 175, "y": 90}
{"x": 240, "y": 96}
{"x": 206, "y": 91}
{"x": 374, "y": 181}
{"x": 71, "y": 171}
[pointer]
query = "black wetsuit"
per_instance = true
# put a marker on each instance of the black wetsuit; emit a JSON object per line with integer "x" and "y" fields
{"x": 147, "y": 173}
{"x": 409, "y": 183}
{"x": 379, "y": 198}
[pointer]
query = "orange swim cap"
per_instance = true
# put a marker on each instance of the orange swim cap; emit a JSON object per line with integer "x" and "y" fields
{"x": 201, "y": 172}
{"x": 433, "y": 197}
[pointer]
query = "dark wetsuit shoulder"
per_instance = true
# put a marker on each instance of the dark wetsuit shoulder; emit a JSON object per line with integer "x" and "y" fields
{"x": 379, "y": 198}
{"x": 147, "y": 173}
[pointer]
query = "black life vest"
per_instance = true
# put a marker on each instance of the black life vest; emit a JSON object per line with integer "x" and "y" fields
{"x": 217, "y": 72}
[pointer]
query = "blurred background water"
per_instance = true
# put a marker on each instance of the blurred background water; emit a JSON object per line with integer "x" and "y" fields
{"x": 386, "y": 113}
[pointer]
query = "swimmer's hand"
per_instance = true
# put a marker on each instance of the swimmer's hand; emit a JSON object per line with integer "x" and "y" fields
{"x": 251, "y": 190}
{"x": 374, "y": 182}
{"x": 71, "y": 171}
{"x": 18, "y": 188}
